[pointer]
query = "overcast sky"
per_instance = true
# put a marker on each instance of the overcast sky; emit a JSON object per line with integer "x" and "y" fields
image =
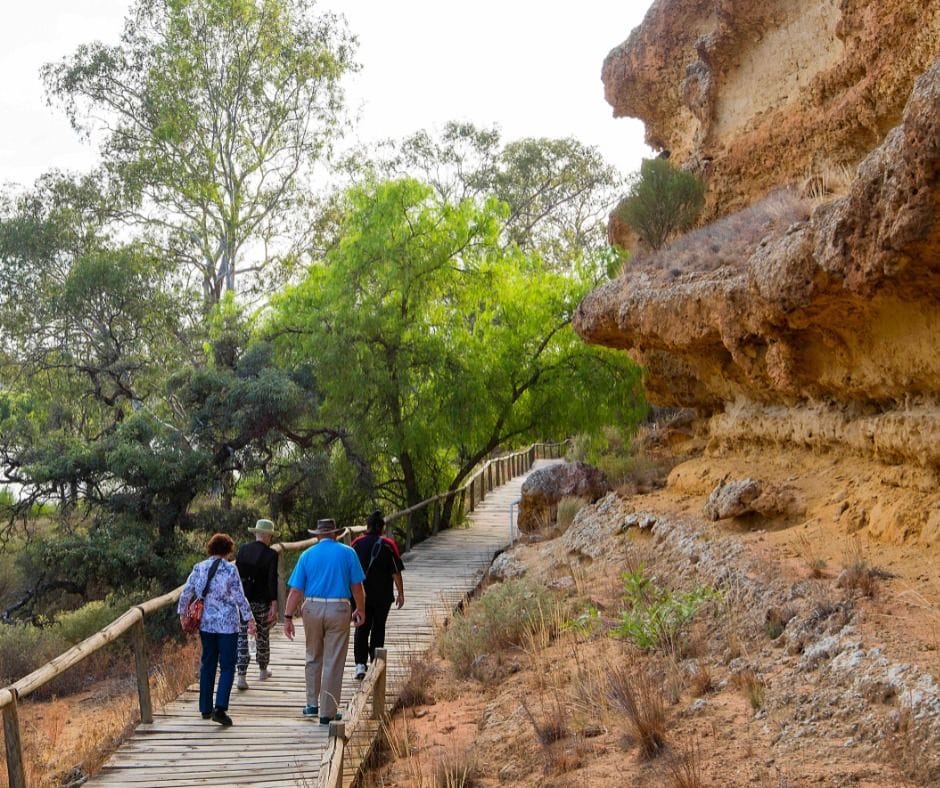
{"x": 526, "y": 66}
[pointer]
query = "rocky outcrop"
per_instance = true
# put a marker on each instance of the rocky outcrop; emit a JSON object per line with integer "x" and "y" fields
{"x": 544, "y": 488}
{"x": 827, "y": 327}
{"x": 755, "y": 95}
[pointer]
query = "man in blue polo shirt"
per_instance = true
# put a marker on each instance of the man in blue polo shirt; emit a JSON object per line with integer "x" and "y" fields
{"x": 324, "y": 578}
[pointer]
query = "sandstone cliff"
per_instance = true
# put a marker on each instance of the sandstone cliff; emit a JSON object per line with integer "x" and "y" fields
{"x": 756, "y": 94}
{"x": 800, "y": 322}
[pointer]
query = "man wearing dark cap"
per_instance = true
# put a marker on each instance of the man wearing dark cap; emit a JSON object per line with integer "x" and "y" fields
{"x": 257, "y": 567}
{"x": 325, "y": 577}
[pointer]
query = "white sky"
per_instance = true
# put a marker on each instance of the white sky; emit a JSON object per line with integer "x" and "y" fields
{"x": 529, "y": 67}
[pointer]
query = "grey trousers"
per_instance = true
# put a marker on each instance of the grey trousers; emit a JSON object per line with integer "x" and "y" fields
{"x": 326, "y": 632}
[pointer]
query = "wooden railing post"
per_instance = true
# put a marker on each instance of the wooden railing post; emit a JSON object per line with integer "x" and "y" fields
{"x": 436, "y": 518}
{"x": 143, "y": 670}
{"x": 378, "y": 691}
{"x": 338, "y": 733}
{"x": 409, "y": 528}
{"x": 489, "y": 471}
{"x": 470, "y": 490}
{"x": 16, "y": 773}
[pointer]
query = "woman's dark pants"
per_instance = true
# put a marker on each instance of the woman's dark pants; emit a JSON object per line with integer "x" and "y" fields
{"x": 371, "y": 635}
{"x": 218, "y": 651}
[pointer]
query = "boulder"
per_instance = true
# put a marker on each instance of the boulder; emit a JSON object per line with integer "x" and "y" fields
{"x": 732, "y": 499}
{"x": 546, "y": 487}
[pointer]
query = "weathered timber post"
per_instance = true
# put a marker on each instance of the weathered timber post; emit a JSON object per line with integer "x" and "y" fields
{"x": 378, "y": 691}
{"x": 143, "y": 670}
{"x": 436, "y": 518}
{"x": 531, "y": 457}
{"x": 471, "y": 494}
{"x": 463, "y": 503}
{"x": 409, "y": 528}
{"x": 489, "y": 471}
{"x": 14, "y": 747}
{"x": 338, "y": 734}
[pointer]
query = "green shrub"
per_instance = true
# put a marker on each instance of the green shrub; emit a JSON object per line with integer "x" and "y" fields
{"x": 24, "y": 647}
{"x": 495, "y": 621}
{"x": 657, "y": 617}
{"x": 662, "y": 200}
{"x": 76, "y": 625}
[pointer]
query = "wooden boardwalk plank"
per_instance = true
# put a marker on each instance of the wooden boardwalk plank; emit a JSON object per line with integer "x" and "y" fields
{"x": 270, "y": 743}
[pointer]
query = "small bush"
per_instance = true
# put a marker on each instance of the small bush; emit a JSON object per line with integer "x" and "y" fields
{"x": 568, "y": 507}
{"x": 497, "y": 620}
{"x": 24, "y": 647}
{"x": 662, "y": 201}
{"x": 76, "y": 625}
{"x": 657, "y": 617}
{"x": 638, "y": 697}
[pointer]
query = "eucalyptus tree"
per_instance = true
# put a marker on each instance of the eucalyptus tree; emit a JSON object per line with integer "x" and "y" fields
{"x": 560, "y": 192}
{"x": 211, "y": 115}
{"x": 434, "y": 343}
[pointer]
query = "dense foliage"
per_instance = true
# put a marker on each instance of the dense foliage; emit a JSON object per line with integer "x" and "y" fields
{"x": 193, "y": 336}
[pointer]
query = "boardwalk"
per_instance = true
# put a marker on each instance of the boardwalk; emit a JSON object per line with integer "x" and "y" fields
{"x": 270, "y": 744}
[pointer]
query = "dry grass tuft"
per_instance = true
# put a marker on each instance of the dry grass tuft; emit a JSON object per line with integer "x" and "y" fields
{"x": 417, "y": 689}
{"x": 751, "y": 686}
{"x": 701, "y": 680}
{"x": 639, "y": 698}
{"x": 911, "y": 749}
{"x": 685, "y": 767}
{"x": 457, "y": 769}
{"x": 567, "y": 508}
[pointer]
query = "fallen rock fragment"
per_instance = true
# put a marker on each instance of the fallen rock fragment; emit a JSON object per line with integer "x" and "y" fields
{"x": 732, "y": 499}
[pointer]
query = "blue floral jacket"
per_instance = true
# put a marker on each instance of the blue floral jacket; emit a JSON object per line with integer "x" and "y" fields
{"x": 225, "y": 603}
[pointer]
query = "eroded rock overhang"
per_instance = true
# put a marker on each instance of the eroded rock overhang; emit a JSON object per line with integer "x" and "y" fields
{"x": 838, "y": 314}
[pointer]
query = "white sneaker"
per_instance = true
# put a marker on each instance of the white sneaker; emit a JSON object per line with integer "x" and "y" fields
{"x": 264, "y": 674}
{"x": 241, "y": 681}
{"x": 360, "y": 672}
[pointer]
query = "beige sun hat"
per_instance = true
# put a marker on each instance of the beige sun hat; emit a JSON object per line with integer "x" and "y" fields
{"x": 324, "y": 528}
{"x": 263, "y": 527}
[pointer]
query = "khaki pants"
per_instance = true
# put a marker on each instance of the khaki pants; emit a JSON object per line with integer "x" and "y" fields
{"x": 326, "y": 631}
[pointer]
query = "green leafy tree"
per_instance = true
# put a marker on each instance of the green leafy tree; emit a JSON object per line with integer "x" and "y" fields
{"x": 434, "y": 343}
{"x": 213, "y": 113}
{"x": 559, "y": 191}
{"x": 662, "y": 200}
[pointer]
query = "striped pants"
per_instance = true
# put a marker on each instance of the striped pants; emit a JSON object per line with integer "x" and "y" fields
{"x": 262, "y": 631}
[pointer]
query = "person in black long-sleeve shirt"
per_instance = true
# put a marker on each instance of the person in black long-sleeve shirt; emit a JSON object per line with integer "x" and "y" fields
{"x": 383, "y": 566}
{"x": 257, "y": 566}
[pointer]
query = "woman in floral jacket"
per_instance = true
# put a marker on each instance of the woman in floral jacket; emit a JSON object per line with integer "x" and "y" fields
{"x": 225, "y": 609}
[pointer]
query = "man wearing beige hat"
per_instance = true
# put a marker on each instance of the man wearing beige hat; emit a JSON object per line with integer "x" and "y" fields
{"x": 325, "y": 577}
{"x": 257, "y": 567}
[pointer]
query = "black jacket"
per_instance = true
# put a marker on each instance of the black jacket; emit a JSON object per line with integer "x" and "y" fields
{"x": 257, "y": 567}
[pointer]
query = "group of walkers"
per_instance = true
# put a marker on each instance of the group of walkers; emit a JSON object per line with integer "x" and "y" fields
{"x": 331, "y": 585}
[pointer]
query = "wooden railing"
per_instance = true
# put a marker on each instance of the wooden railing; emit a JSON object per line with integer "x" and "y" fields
{"x": 491, "y": 474}
{"x": 331, "y": 765}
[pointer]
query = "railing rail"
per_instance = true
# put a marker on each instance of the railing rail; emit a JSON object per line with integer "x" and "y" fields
{"x": 499, "y": 468}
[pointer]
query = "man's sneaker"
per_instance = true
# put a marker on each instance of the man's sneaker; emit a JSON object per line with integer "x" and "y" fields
{"x": 206, "y": 715}
{"x": 264, "y": 674}
{"x": 221, "y": 717}
{"x": 360, "y": 672}
{"x": 311, "y": 711}
{"x": 241, "y": 681}
{"x": 328, "y": 720}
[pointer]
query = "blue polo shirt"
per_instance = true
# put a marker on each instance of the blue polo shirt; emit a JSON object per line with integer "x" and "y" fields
{"x": 327, "y": 569}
